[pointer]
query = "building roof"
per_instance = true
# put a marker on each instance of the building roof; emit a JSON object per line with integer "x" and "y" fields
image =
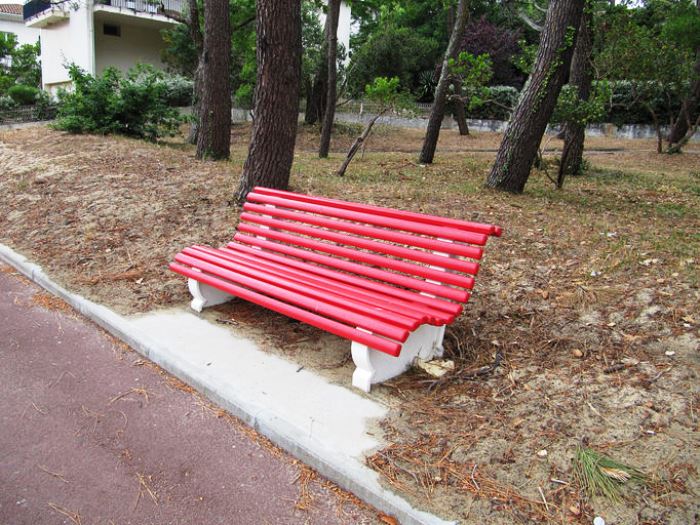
{"x": 11, "y": 9}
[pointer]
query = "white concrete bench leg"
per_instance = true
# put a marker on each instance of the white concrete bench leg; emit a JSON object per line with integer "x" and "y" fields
{"x": 373, "y": 366}
{"x": 205, "y": 295}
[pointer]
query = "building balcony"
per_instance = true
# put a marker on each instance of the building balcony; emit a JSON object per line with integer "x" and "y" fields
{"x": 41, "y": 13}
{"x": 163, "y": 10}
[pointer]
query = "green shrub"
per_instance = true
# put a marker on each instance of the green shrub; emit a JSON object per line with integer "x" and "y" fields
{"x": 7, "y": 103}
{"x": 178, "y": 90}
{"x": 23, "y": 95}
{"x": 498, "y": 103}
{"x": 135, "y": 104}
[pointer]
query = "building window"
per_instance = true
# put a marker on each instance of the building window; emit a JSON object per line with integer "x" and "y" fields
{"x": 112, "y": 30}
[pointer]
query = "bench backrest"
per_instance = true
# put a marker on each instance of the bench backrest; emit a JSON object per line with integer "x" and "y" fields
{"x": 433, "y": 255}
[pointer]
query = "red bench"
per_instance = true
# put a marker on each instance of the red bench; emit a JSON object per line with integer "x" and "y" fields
{"x": 386, "y": 279}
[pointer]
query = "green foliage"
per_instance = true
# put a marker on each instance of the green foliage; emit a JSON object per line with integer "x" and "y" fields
{"x": 383, "y": 90}
{"x": 178, "y": 90}
{"x": 7, "y": 103}
{"x": 473, "y": 72}
{"x": 570, "y": 108}
{"x": 18, "y": 64}
{"x": 134, "y": 104}
{"x": 393, "y": 52}
{"x": 179, "y": 52}
{"x": 23, "y": 95}
{"x": 498, "y": 103}
{"x": 600, "y": 475}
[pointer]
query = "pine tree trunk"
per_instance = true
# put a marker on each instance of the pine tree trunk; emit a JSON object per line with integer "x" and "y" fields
{"x": 214, "y": 135}
{"x": 459, "y": 112}
{"x": 518, "y": 148}
{"x": 438, "y": 110}
{"x": 689, "y": 109}
{"x": 580, "y": 78}
{"x": 271, "y": 150}
{"x": 331, "y": 65}
{"x": 316, "y": 97}
{"x": 197, "y": 40}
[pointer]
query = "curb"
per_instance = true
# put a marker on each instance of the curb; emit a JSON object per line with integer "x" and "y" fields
{"x": 361, "y": 481}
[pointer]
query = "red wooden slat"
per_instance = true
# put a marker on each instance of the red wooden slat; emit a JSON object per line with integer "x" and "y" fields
{"x": 396, "y": 306}
{"x": 378, "y": 220}
{"x": 369, "y": 258}
{"x": 367, "y": 271}
{"x": 367, "y": 244}
{"x": 408, "y": 239}
{"x": 314, "y": 305}
{"x": 334, "y": 327}
{"x": 431, "y": 305}
{"x": 488, "y": 229}
{"x": 313, "y": 291}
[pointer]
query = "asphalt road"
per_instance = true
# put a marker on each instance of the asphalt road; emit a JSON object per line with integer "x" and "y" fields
{"x": 93, "y": 434}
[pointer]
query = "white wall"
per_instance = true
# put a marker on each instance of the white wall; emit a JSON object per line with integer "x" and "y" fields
{"x": 25, "y": 35}
{"x": 64, "y": 42}
{"x": 136, "y": 44}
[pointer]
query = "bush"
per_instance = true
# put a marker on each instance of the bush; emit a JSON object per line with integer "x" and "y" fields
{"x": 7, "y": 103}
{"x": 499, "y": 102}
{"x": 393, "y": 52}
{"x": 178, "y": 90}
{"x": 23, "y": 95}
{"x": 134, "y": 105}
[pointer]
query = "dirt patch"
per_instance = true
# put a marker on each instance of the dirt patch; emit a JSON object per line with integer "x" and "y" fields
{"x": 590, "y": 297}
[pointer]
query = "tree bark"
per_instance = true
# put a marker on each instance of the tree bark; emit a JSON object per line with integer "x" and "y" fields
{"x": 459, "y": 112}
{"x": 689, "y": 107}
{"x": 214, "y": 136}
{"x": 331, "y": 65}
{"x": 689, "y": 110}
{"x": 197, "y": 39}
{"x": 271, "y": 150}
{"x": 438, "y": 110}
{"x": 518, "y": 148}
{"x": 580, "y": 78}
{"x": 316, "y": 96}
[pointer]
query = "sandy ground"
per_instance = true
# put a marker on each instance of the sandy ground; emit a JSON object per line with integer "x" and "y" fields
{"x": 591, "y": 297}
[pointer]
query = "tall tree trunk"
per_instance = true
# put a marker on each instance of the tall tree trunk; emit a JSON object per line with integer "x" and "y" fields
{"x": 580, "y": 78}
{"x": 459, "y": 112}
{"x": 689, "y": 106}
{"x": 197, "y": 39}
{"x": 438, "y": 110}
{"x": 271, "y": 150}
{"x": 316, "y": 97}
{"x": 214, "y": 136}
{"x": 689, "y": 109}
{"x": 518, "y": 148}
{"x": 331, "y": 65}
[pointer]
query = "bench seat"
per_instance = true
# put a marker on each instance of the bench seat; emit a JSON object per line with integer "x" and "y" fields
{"x": 388, "y": 280}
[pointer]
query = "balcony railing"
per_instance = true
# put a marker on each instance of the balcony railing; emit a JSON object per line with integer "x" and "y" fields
{"x": 169, "y": 8}
{"x": 35, "y": 7}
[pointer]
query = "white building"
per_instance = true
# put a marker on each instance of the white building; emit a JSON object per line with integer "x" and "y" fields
{"x": 12, "y": 22}
{"x": 95, "y": 34}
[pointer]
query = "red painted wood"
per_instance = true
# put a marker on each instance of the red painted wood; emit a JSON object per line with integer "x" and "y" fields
{"x": 316, "y": 306}
{"x": 313, "y": 291}
{"x": 347, "y": 266}
{"x": 355, "y": 255}
{"x": 452, "y": 248}
{"x": 488, "y": 229}
{"x": 329, "y": 325}
{"x": 367, "y": 244}
{"x": 377, "y": 220}
{"x": 432, "y": 305}
{"x": 393, "y": 304}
